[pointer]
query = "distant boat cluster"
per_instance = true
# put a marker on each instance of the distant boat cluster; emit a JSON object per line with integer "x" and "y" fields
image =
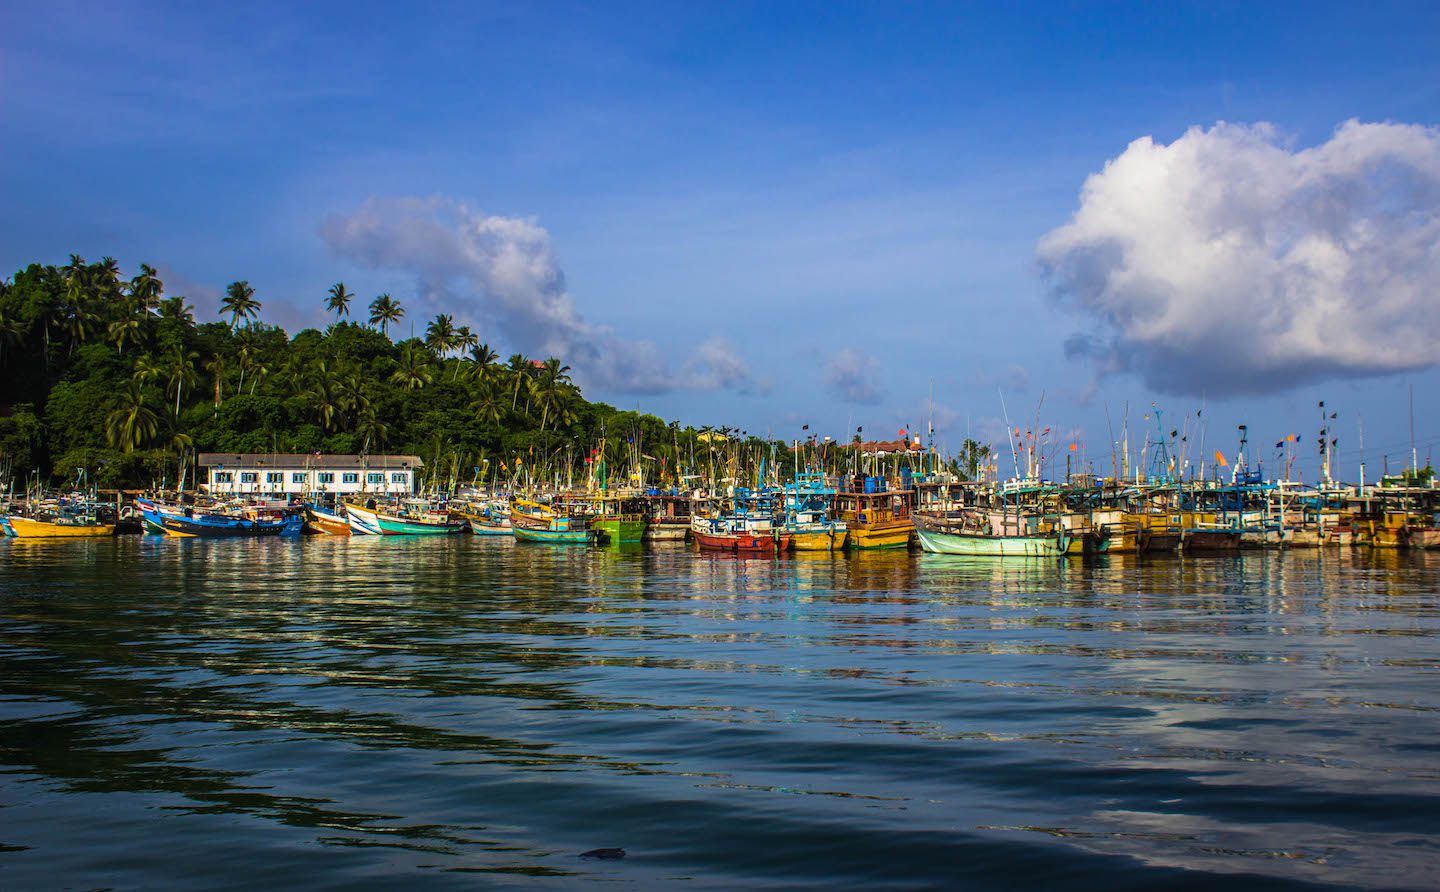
{"x": 811, "y": 511}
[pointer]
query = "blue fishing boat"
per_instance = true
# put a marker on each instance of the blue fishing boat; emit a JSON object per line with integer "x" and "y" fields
{"x": 188, "y": 523}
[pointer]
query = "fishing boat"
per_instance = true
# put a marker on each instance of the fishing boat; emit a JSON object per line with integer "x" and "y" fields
{"x": 875, "y": 515}
{"x": 484, "y": 518}
{"x": 362, "y": 519}
{"x": 807, "y": 515}
{"x": 620, "y": 520}
{"x": 54, "y": 527}
{"x": 325, "y": 521}
{"x": 738, "y": 534}
{"x": 417, "y": 518}
{"x": 667, "y": 517}
{"x": 537, "y": 522}
{"x": 748, "y": 528}
{"x": 970, "y": 536}
{"x": 188, "y": 523}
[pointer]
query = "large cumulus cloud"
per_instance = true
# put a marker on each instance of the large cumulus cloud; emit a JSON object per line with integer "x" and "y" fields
{"x": 1227, "y": 262}
{"x": 505, "y": 268}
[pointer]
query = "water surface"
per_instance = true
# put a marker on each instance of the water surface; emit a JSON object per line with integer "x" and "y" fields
{"x": 342, "y": 713}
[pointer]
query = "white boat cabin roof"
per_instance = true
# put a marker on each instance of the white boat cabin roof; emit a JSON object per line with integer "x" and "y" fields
{"x": 312, "y": 461}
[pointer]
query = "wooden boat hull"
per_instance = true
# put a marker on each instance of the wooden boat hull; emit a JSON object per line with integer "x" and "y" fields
{"x": 890, "y": 535}
{"x": 227, "y": 528}
{"x": 489, "y": 528}
{"x": 394, "y": 525}
{"x": 326, "y": 523}
{"x": 610, "y": 529}
{"x": 742, "y": 543}
{"x": 554, "y": 537}
{"x": 27, "y": 528}
{"x": 362, "y": 520}
{"x": 1209, "y": 541}
{"x": 983, "y": 545}
{"x": 819, "y": 540}
{"x": 666, "y": 532}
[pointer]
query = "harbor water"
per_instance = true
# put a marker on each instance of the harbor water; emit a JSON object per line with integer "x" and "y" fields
{"x": 384, "y": 712}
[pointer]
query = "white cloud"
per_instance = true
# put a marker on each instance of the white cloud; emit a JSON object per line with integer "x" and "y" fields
{"x": 1226, "y": 263}
{"x": 850, "y": 375}
{"x": 507, "y": 268}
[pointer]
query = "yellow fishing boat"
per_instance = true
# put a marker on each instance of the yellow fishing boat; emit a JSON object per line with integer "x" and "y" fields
{"x": 880, "y": 518}
{"x": 30, "y": 528}
{"x": 832, "y": 539}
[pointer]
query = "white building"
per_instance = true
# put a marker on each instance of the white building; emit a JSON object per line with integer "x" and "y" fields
{"x": 277, "y": 475}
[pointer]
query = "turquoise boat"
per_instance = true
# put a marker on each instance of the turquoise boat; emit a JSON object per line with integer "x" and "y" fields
{"x": 534, "y": 522}
{"x": 418, "y": 524}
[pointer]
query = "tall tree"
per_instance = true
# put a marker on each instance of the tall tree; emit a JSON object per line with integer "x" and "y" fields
{"x": 339, "y": 300}
{"x": 132, "y": 423}
{"x": 385, "y": 311}
{"x": 145, "y": 289}
{"x": 440, "y": 334}
{"x": 413, "y": 371}
{"x": 179, "y": 370}
{"x": 239, "y": 302}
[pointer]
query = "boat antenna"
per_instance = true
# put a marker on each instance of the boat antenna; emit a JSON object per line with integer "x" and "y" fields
{"x": 1014, "y": 459}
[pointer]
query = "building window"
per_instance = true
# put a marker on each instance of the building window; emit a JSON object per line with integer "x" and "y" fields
{"x": 325, "y": 477}
{"x": 223, "y": 476}
{"x": 247, "y": 476}
{"x": 398, "y": 477}
{"x": 352, "y": 478}
{"x": 297, "y": 477}
{"x": 375, "y": 478}
{"x": 274, "y": 477}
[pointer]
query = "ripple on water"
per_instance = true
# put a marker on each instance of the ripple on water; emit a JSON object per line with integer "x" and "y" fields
{"x": 376, "y": 711}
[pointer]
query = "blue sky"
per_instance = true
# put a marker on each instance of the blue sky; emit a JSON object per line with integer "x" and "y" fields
{"x": 846, "y": 200}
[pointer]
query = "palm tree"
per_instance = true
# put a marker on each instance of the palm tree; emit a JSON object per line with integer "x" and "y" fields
{"x": 245, "y": 356}
{"x": 488, "y": 406}
{"x": 414, "y": 370}
{"x": 369, "y": 426}
{"x": 133, "y": 422}
{"x": 176, "y": 309}
{"x": 385, "y": 310}
{"x": 240, "y": 303}
{"x": 465, "y": 339}
{"x": 339, "y": 300}
{"x": 216, "y": 367}
{"x": 480, "y": 359}
{"x": 123, "y": 329}
{"x": 551, "y": 387}
{"x": 321, "y": 393}
{"x": 146, "y": 288}
{"x": 12, "y": 332}
{"x": 180, "y": 373}
{"x": 75, "y": 317}
{"x": 145, "y": 370}
{"x": 520, "y": 368}
{"x": 440, "y": 334}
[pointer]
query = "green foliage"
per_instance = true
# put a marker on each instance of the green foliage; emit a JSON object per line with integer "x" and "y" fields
{"x": 119, "y": 378}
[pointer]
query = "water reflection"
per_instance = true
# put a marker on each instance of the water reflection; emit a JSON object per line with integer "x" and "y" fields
{"x": 400, "y": 707}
